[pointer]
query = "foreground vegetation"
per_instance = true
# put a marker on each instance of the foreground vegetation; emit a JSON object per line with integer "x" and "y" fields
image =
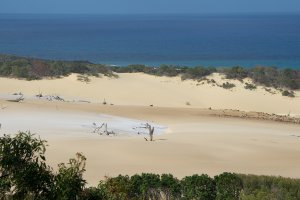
{"x": 30, "y": 69}
{"x": 24, "y": 174}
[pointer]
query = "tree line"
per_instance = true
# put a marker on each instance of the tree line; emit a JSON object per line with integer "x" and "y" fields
{"x": 24, "y": 174}
{"x": 31, "y": 69}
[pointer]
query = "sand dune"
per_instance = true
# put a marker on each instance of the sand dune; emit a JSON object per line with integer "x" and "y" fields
{"x": 191, "y": 140}
{"x": 144, "y": 90}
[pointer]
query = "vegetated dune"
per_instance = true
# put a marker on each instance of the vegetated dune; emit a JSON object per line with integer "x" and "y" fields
{"x": 144, "y": 90}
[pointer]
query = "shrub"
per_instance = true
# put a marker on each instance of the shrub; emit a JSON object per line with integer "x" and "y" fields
{"x": 149, "y": 187}
{"x": 236, "y": 73}
{"x": 288, "y": 93}
{"x": 170, "y": 187}
{"x": 269, "y": 187}
{"x": 198, "y": 187}
{"x": 93, "y": 193}
{"x": 228, "y": 85}
{"x": 118, "y": 188}
{"x": 228, "y": 186}
{"x": 196, "y": 73}
{"x": 23, "y": 171}
{"x": 250, "y": 86}
{"x": 69, "y": 181}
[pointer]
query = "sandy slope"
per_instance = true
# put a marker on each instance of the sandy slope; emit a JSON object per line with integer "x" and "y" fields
{"x": 193, "y": 142}
{"x": 142, "y": 89}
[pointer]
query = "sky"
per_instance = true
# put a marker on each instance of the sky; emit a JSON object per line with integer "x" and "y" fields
{"x": 148, "y": 6}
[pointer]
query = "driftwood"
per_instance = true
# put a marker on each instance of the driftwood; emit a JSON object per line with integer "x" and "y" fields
{"x": 151, "y": 131}
{"x": 57, "y": 98}
{"x": 83, "y": 101}
{"x": 17, "y": 100}
{"x": 39, "y": 95}
{"x": 97, "y": 129}
{"x": 105, "y": 131}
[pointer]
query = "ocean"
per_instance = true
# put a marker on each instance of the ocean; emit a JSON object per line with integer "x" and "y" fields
{"x": 190, "y": 40}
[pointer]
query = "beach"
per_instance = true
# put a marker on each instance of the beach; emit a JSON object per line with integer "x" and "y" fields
{"x": 200, "y": 127}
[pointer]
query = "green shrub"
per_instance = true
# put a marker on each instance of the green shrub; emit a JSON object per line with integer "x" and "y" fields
{"x": 228, "y": 85}
{"x": 250, "y": 86}
{"x": 93, "y": 193}
{"x": 170, "y": 186}
{"x": 118, "y": 188}
{"x": 228, "y": 186}
{"x": 198, "y": 187}
{"x": 288, "y": 93}
{"x": 23, "y": 171}
{"x": 236, "y": 73}
{"x": 69, "y": 181}
{"x": 269, "y": 187}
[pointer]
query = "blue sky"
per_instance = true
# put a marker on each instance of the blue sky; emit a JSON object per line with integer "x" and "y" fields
{"x": 148, "y": 6}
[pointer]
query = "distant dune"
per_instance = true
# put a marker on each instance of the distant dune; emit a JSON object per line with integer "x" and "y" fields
{"x": 144, "y": 90}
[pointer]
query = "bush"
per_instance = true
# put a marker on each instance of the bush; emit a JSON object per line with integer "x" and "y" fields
{"x": 198, "y": 187}
{"x": 170, "y": 186}
{"x": 25, "y": 175}
{"x": 250, "y": 86}
{"x": 149, "y": 187}
{"x": 269, "y": 187}
{"x": 118, "y": 188}
{"x": 94, "y": 193}
{"x": 228, "y": 186}
{"x": 236, "y": 73}
{"x": 23, "y": 170}
{"x": 228, "y": 85}
{"x": 69, "y": 181}
{"x": 196, "y": 73}
{"x": 288, "y": 93}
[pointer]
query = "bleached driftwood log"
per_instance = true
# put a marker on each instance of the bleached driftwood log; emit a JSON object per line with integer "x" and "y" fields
{"x": 151, "y": 131}
{"x": 17, "y": 99}
{"x": 105, "y": 131}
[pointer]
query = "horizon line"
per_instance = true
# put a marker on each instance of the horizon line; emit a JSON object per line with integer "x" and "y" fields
{"x": 159, "y": 13}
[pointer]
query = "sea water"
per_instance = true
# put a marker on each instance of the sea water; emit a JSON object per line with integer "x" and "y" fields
{"x": 193, "y": 40}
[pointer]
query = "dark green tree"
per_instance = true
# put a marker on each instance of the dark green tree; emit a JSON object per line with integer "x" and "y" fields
{"x": 228, "y": 186}
{"x": 198, "y": 187}
{"x": 23, "y": 171}
{"x": 145, "y": 186}
{"x": 170, "y": 187}
{"x": 119, "y": 188}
